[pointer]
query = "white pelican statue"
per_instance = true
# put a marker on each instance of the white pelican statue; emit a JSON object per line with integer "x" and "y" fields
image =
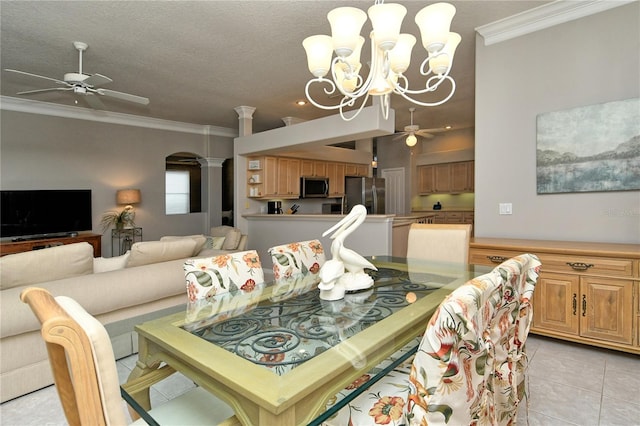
{"x": 334, "y": 281}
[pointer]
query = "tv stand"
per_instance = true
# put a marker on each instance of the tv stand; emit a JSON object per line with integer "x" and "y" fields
{"x": 18, "y": 245}
{"x": 44, "y": 236}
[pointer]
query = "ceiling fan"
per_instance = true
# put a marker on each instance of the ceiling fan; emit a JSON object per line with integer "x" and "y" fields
{"x": 413, "y": 130}
{"x": 85, "y": 85}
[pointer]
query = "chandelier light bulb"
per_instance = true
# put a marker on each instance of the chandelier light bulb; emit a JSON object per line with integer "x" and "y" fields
{"x": 411, "y": 140}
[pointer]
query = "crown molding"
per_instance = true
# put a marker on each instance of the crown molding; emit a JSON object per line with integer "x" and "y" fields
{"x": 46, "y": 108}
{"x": 545, "y": 16}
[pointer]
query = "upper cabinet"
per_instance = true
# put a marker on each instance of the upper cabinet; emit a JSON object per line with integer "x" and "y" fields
{"x": 313, "y": 168}
{"x": 356, "y": 169}
{"x": 335, "y": 173}
{"x": 447, "y": 178}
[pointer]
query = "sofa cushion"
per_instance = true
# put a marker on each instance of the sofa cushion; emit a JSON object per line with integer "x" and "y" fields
{"x": 200, "y": 240}
{"x": 49, "y": 264}
{"x": 106, "y": 264}
{"x": 147, "y": 252}
{"x": 231, "y": 234}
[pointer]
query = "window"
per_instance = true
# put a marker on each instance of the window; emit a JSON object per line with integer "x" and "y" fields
{"x": 177, "y": 192}
{"x": 183, "y": 176}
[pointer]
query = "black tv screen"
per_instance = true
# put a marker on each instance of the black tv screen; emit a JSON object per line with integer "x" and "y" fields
{"x": 33, "y": 213}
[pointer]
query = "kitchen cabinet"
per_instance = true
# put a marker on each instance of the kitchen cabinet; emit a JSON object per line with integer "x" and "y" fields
{"x": 313, "y": 168}
{"x": 273, "y": 177}
{"x": 426, "y": 179}
{"x": 586, "y": 292}
{"x": 353, "y": 169}
{"x": 335, "y": 173}
{"x": 446, "y": 178}
{"x": 262, "y": 177}
{"x": 288, "y": 178}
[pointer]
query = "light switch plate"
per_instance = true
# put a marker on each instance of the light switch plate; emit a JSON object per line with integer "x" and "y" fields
{"x": 506, "y": 208}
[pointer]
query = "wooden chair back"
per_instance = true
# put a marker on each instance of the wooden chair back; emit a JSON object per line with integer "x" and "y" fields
{"x": 73, "y": 362}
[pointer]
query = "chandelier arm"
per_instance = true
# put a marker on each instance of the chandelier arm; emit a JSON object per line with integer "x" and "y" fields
{"x": 404, "y": 92}
{"x": 328, "y": 92}
{"x": 357, "y": 112}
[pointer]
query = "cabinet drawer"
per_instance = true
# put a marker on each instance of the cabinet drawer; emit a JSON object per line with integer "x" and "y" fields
{"x": 584, "y": 265}
{"x": 454, "y": 217}
{"x": 587, "y": 265}
{"x": 491, "y": 257}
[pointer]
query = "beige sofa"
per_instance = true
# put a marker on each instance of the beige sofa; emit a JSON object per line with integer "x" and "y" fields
{"x": 115, "y": 290}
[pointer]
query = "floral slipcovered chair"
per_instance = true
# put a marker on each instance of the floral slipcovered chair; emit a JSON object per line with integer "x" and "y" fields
{"x": 297, "y": 258}
{"x": 470, "y": 365}
{"x": 221, "y": 286}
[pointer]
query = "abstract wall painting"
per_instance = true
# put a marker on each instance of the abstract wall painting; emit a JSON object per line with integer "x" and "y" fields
{"x": 593, "y": 148}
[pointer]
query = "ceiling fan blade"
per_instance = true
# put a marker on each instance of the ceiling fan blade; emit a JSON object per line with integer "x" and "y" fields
{"x": 53, "y": 89}
{"x": 400, "y": 135}
{"x": 425, "y": 134}
{"x": 97, "y": 80}
{"x": 93, "y": 101}
{"x": 38, "y": 76}
{"x": 123, "y": 96}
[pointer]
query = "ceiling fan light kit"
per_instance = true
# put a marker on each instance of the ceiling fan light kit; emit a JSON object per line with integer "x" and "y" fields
{"x": 390, "y": 55}
{"x": 83, "y": 84}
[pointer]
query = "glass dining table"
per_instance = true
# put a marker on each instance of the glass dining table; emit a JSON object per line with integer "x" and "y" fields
{"x": 278, "y": 354}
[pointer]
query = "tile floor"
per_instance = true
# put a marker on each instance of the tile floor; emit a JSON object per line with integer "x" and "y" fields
{"x": 569, "y": 384}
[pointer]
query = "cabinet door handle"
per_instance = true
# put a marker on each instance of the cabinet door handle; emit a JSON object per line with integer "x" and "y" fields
{"x": 584, "y": 305}
{"x": 575, "y": 303}
{"x": 580, "y": 266}
{"x": 497, "y": 259}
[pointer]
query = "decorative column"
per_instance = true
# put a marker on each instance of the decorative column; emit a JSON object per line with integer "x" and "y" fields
{"x": 245, "y": 118}
{"x": 212, "y": 191}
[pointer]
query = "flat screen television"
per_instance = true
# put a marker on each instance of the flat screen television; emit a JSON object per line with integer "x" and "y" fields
{"x": 43, "y": 213}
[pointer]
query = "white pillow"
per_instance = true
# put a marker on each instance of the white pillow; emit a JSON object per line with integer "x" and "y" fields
{"x": 199, "y": 239}
{"x": 146, "y": 252}
{"x": 106, "y": 264}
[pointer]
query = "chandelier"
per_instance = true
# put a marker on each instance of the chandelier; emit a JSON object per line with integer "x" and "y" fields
{"x": 390, "y": 55}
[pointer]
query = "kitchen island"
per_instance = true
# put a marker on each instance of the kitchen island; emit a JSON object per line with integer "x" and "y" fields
{"x": 380, "y": 234}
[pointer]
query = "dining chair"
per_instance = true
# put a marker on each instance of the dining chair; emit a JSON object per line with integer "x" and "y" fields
{"x": 85, "y": 374}
{"x": 297, "y": 258}
{"x": 207, "y": 277}
{"x": 221, "y": 286}
{"x": 439, "y": 242}
{"x": 470, "y": 365}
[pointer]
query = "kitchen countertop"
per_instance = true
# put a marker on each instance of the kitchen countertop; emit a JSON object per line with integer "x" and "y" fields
{"x": 450, "y": 209}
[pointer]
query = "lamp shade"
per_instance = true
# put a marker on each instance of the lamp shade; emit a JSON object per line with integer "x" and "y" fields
{"x": 386, "y": 20}
{"x": 319, "y": 49}
{"x": 434, "y": 22}
{"x": 346, "y": 24}
{"x": 440, "y": 64}
{"x": 128, "y": 196}
{"x": 411, "y": 140}
{"x": 400, "y": 56}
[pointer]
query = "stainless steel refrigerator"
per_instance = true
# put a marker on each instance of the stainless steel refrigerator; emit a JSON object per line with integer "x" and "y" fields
{"x": 366, "y": 191}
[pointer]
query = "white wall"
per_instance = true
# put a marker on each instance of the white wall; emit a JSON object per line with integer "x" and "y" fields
{"x": 588, "y": 61}
{"x": 47, "y": 152}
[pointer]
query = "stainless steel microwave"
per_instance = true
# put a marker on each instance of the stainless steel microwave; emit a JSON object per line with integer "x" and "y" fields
{"x": 314, "y": 187}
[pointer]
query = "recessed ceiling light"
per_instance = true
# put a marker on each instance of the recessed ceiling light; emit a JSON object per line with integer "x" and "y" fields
{"x": 301, "y": 102}
{"x": 447, "y": 127}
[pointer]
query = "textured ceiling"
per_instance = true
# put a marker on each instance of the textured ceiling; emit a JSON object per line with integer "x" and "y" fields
{"x": 197, "y": 60}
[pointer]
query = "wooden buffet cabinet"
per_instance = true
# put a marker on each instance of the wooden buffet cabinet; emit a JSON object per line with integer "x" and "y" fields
{"x": 11, "y": 247}
{"x": 586, "y": 292}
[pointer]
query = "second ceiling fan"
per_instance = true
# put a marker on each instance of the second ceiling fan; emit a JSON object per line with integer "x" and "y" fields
{"x": 412, "y": 132}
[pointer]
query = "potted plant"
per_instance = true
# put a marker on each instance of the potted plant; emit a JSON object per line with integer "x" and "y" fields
{"x": 119, "y": 220}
